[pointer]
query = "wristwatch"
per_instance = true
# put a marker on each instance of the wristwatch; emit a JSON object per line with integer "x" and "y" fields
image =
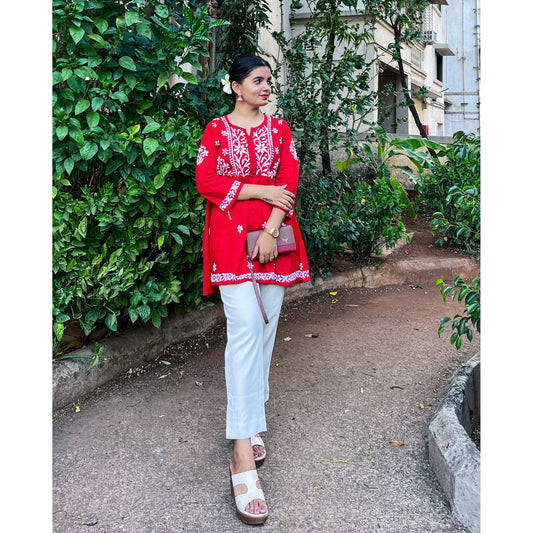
{"x": 273, "y": 232}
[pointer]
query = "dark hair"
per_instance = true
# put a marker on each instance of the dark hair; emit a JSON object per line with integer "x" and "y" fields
{"x": 242, "y": 66}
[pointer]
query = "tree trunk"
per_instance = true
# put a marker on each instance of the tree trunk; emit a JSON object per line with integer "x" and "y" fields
{"x": 326, "y": 98}
{"x": 403, "y": 80}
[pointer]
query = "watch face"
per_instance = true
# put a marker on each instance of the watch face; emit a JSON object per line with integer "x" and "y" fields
{"x": 275, "y": 232}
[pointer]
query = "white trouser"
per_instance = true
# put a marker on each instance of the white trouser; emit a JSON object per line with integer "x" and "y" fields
{"x": 248, "y": 354}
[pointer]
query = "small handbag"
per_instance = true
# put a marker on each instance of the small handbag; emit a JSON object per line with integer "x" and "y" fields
{"x": 286, "y": 243}
{"x": 285, "y": 240}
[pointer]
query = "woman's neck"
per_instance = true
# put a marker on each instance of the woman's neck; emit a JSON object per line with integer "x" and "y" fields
{"x": 245, "y": 116}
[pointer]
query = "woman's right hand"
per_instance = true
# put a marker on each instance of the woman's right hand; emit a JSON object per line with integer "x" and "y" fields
{"x": 279, "y": 196}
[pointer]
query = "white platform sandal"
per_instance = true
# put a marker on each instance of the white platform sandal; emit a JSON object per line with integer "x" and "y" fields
{"x": 249, "y": 479}
{"x": 258, "y": 441}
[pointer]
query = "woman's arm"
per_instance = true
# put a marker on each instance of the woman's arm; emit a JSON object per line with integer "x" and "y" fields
{"x": 275, "y": 195}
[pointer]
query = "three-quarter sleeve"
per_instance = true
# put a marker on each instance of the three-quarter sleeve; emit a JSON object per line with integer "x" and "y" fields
{"x": 220, "y": 190}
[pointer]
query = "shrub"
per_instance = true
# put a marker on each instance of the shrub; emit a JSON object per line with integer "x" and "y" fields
{"x": 471, "y": 294}
{"x": 127, "y": 220}
{"x": 452, "y": 193}
{"x": 337, "y": 215}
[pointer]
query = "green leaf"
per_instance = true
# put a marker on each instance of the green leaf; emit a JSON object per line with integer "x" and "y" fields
{"x": 88, "y": 150}
{"x": 161, "y": 11}
{"x": 131, "y": 80}
{"x": 111, "y": 321}
{"x": 96, "y": 103}
{"x": 76, "y": 33}
{"x": 76, "y": 135}
{"x": 144, "y": 312}
{"x": 165, "y": 169}
{"x": 153, "y": 126}
{"x": 139, "y": 223}
{"x": 177, "y": 238}
{"x": 162, "y": 79}
{"x": 62, "y": 317}
{"x": 144, "y": 30}
{"x": 93, "y": 119}
{"x": 159, "y": 181}
{"x": 82, "y": 227}
{"x": 101, "y": 25}
{"x": 156, "y": 318}
{"x": 131, "y": 17}
{"x": 150, "y": 145}
{"x": 190, "y": 78}
{"x": 81, "y": 106}
{"x": 134, "y": 314}
{"x": 160, "y": 240}
{"x": 184, "y": 229}
{"x": 61, "y": 132}
{"x": 59, "y": 329}
{"x": 69, "y": 165}
{"x": 98, "y": 39}
{"x": 127, "y": 63}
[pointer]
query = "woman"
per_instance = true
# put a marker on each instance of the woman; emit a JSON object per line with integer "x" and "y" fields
{"x": 248, "y": 172}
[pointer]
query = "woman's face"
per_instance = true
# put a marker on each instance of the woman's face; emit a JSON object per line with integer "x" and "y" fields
{"x": 255, "y": 88}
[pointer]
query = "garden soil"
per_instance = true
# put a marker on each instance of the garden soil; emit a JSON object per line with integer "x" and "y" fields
{"x": 356, "y": 376}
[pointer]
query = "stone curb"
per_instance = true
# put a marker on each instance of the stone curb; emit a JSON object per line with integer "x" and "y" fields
{"x": 72, "y": 380}
{"x": 452, "y": 455}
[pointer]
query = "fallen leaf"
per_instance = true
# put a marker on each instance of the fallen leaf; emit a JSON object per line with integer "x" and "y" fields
{"x": 163, "y": 376}
{"x": 396, "y": 443}
{"x": 334, "y": 293}
{"x": 198, "y": 383}
{"x": 361, "y": 390}
{"x": 287, "y": 339}
{"x": 277, "y": 364}
{"x": 421, "y": 406}
{"x": 78, "y": 409}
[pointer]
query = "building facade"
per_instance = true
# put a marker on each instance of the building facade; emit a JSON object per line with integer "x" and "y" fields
{"x": 462, "y": 72}
{"x": 440, "y": 63}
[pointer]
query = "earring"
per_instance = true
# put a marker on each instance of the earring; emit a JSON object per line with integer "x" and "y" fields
{"x": 239, "y": 99}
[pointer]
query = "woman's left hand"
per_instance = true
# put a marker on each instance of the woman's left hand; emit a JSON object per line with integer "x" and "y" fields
{"x": 266, "y": 248}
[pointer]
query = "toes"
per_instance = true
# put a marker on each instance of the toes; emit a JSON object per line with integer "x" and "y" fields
{"x": 256, "y": 507}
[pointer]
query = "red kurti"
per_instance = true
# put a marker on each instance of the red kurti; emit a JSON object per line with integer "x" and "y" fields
{"x": 228, "y": 158}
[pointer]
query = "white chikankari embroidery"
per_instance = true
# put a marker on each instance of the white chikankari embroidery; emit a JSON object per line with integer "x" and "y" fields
{"x": 229, "y": 277}
{"x": 215, "y": 267}
{"x": 263, "y": 145}
{"x": 238, "y": 150}
{"x": 239, "y": 228}
{"x": 230, "y": 196}
{"x": 292, "y": 149}
{"x": 203, "y": 152}
{"x": 222, "y": 167}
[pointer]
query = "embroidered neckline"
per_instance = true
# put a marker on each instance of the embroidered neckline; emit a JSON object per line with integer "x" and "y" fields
{"x": 226, "y": 117}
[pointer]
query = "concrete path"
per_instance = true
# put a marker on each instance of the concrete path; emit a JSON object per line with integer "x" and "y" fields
{"x": 147, "y": 454}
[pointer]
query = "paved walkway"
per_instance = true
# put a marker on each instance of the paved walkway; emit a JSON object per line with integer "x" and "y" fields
{"x": 147, "y": 453}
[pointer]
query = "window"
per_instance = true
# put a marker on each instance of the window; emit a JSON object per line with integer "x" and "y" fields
{"x": 439, "y": 69}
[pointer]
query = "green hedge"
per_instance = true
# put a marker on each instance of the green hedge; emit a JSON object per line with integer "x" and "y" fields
{"x": 127, "y": 219}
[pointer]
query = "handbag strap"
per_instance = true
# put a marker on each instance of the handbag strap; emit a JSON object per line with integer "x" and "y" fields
{"x": 256, "y": 289}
